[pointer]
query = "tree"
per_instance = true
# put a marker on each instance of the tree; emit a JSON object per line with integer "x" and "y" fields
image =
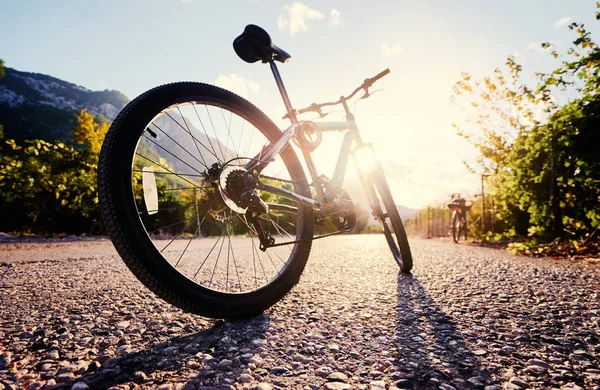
{"x": 88, "y": 132}
{"x": 50, "y": 187}
{"x": 538, "y": 143}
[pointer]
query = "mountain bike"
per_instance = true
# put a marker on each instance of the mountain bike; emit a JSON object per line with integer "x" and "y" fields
{"x": 459, "y": 207}
{"x": 206, "y": 200}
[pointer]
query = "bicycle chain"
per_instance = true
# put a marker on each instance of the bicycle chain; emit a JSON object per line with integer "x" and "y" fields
{"x": 277, "y": 179}
{"x": 314, "y": 238}
{"x": 297, "y": 241}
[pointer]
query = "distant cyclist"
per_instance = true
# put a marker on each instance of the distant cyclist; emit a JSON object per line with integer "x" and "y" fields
{"x": 459, "y": 209}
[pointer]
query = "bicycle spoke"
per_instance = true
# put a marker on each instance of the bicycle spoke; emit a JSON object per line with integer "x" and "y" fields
{"x": 249, "y": 144}
{"x": 216, "y": 262}
{"x": 253, "y": 257}
{"x": 196, "y": 140}
{"x": 165, "y": 227}
{"x": 178, "y": 234}
{"x": 169, "y": 173}
{"x": 187, "y": 245}
{"x": 178, "y": 144}
{"x": 214, "y": 153}
{"x": 157, "y": 210}
{"x": 277, "y": 270}
{"x": 228, "y": 126}
{"x": 250, "y": 230}
{"x": 192, "y": 136}
{"x": 228, "y": 250}
{"x": 208, "y": 255}
{"x": 215, "y": 131}
{"x": 177, "y": 158}
{"x": 260, "y": 261}
{"x": 237, "y": 152}
{"x": 180, "y": 189}
{"x": 180, "y": 175}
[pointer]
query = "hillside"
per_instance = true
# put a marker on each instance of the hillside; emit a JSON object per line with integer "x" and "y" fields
{"x": 34, "y": 105}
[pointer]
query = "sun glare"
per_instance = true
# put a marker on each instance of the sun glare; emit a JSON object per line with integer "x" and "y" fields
{"x": 365, "y": 159}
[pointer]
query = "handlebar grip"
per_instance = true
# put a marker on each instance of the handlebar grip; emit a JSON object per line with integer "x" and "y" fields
{"x": 378, "y": 76}
{"x": 312, "y": 107}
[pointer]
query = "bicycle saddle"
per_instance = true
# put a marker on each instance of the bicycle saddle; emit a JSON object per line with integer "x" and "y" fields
{"x": 254, "y": 44}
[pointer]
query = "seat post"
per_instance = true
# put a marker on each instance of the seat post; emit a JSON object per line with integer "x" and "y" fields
{"x": 291, "y": 113}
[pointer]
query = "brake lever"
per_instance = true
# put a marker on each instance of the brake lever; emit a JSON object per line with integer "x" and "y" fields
{"x": 367, "y": 93}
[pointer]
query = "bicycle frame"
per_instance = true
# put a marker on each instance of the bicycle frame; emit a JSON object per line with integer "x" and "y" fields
{"x": 339, "y": 173}
{"x": 352, "y": 136}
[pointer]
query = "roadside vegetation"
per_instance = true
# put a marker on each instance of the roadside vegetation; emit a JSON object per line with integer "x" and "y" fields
{"x": 538, "y": 139}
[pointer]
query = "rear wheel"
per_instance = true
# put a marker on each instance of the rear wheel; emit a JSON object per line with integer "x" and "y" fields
{"x": 386, "y": 211}
{"x": 171, "y": 171}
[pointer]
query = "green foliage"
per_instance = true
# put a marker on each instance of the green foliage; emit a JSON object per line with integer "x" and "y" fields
{"x": 89, "y": 133}
{"x": 539, "y": 142}
{"x": 48, "y": 187}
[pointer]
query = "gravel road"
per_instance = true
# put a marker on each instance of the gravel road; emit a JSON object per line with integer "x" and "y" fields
{"x": 73, "y": 316}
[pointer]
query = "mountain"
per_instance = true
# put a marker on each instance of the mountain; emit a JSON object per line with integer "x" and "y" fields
{"x": 406, "y": 213}
{"x": 34, "y": 105}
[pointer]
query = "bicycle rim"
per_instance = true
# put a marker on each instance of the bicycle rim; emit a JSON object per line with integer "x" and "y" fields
{"x": 190, "y": 215}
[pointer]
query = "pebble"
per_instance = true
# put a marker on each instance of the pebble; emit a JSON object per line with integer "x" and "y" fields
{"x": 323, "y": 371}
{"x": 337, "y": 386}
{"x": 54, "y": 355}
{"x": 337, "y": 377}
{"x": 517, "y": 381}
{"x": 377, "y": 385}
{"x": 225, "y": 364}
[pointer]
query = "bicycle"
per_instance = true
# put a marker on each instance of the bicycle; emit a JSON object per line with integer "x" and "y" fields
{"x": 459, "y": 207}
{"x": 188, "y": 159}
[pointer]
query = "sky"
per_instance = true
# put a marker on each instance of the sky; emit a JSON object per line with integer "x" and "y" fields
{"x": 134, "y": 45}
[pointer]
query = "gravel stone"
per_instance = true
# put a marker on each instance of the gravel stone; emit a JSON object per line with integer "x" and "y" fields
{"x": 517, "y": 381}
{"x": 225, "y": 364}
{"x": 377, "y": 385}
{"x": 337, "y": 377}
{"x": 323, "y": 371}
{"x": 337, "y": 386}
{"x": 54, "y": 355}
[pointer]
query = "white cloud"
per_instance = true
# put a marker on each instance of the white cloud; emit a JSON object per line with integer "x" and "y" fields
{"x": 187, "y": 1}
{"x": 562, "y": 21}
{"x": 295, "y": 17}
{"x": 335, "y": 18}
{"x": 388, "y": 50}
{"x": 237, "y": 84}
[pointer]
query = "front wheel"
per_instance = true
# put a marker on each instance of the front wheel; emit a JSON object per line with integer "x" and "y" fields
{"x": 386, "y": 211}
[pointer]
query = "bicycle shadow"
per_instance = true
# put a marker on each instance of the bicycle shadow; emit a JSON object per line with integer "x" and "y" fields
{"x": 431, "y": 348}
{"x": 202, "y": 354}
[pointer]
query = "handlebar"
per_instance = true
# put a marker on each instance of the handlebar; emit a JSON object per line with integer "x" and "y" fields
{"x": 364, "y": 86}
